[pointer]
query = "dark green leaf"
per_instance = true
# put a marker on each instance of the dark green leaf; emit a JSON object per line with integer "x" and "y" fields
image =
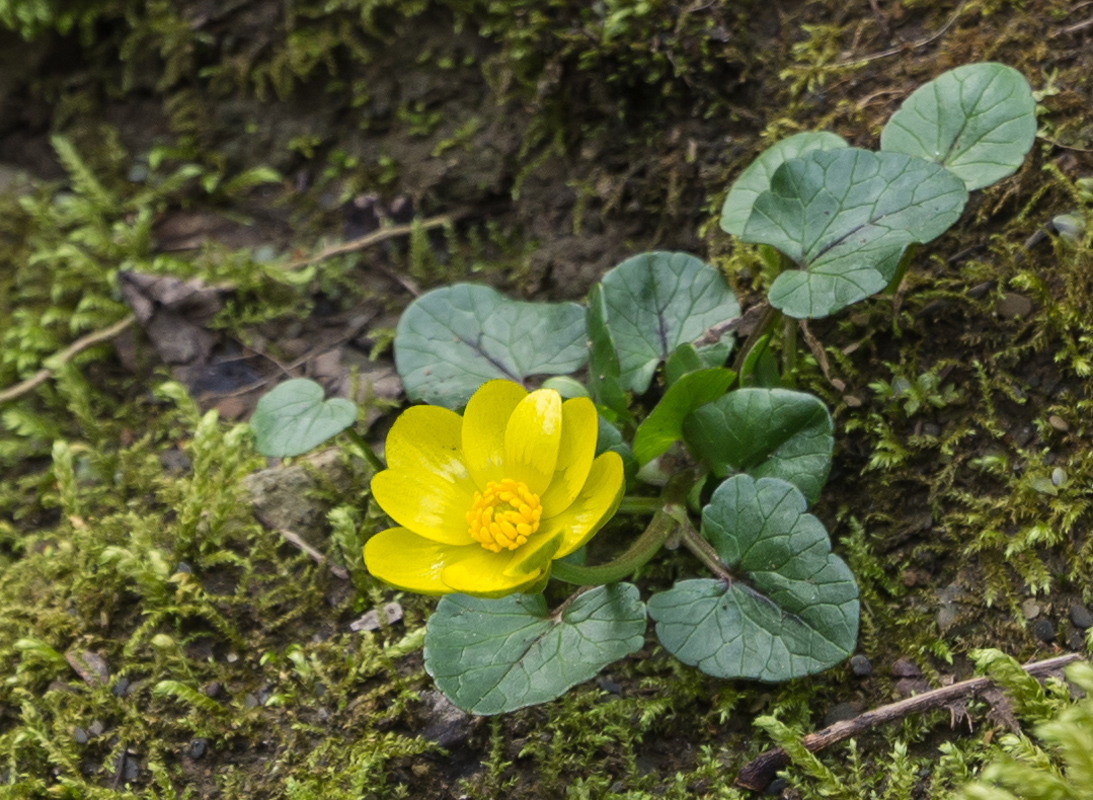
{"x": 495, "y": 656}
{"x": 657, "y": 301}
{"x": 683, "y": 359}
{"x": 664, "y": 425}
{"x": 775, "y": 433}
{"x": 978, "y": 120}
{"x": 294, "y": 418}
{"x": 791, "y": 608}
{"x": 603, "y": 360}
{"x": 452, "y": 340}
{"x": 756, "y": 178}
{"x": 844, "y": 217}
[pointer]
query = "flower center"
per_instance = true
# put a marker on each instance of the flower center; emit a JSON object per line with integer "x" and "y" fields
{"x": 504, "y": 516}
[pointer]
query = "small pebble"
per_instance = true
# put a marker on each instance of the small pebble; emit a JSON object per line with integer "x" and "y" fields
{"x": 198, "y": 748}
{"x": 1075, "y": 640}
{"x": 930, "y": 429}
{"x": 905, "y": 668}
{"x": 860, "y": 666}
{"x": 80, "y": 735}
{"x": 1030, "y": 609}
{"x": 1080, "y": 615}
{"x": 840, "y": 712}
{"x": 1058, "y": 423}
{"x": 96, "y": 728}
{"x": 777, "y": 786}
{"x": 250, "y": 701}
{"x": 121, "y": 688}
{"x": 1043, "y": 630}
{"x": 609, "y": 686}
{"x": 211, "y": 689}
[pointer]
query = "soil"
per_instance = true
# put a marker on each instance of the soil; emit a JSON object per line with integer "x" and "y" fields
{"x": 960, "y": 500}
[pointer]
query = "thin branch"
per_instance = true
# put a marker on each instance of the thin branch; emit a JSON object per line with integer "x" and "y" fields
{"x": 759, "y": 772}
{"x": 63, "y": 357}
{"x": 295, "y": 540}
{"x": 893, "y": 51}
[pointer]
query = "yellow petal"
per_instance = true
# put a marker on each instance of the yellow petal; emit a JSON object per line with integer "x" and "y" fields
{"x": 405, "y": 560}
{"x": 575, "y": 453}
{"x": 534, "y": 557}
{"x": 429, "y": 437}
{"x": 482, "y": 574}
{"x": 429, "y": 504}
{"x": 483, "y": 432}
{"x": 597, "y": 502}
{"x": 532, "y": 438}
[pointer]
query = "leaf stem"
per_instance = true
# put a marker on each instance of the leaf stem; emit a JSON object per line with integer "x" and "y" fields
{"x": 789, "y": 352}
{"x": 761, "y": 329}
{"x": 640, "y": 505}
{"x": 705, "y": 553}
{"x": 671, "y": 513}
{"x": 366, "y": 451}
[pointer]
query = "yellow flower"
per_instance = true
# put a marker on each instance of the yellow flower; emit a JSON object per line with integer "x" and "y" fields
{"x": 486, "y": 501}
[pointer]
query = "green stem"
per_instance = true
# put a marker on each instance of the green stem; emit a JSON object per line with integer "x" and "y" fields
{"x": 640, "y": 505}
{"x": 647, "y": 545}
{"x": 368, "y": 453}
{"x": 901, "y": 270}
{"x": 789, "y": 352}
{"x": 705, "y": 553}
{"x": 762, "y": 328}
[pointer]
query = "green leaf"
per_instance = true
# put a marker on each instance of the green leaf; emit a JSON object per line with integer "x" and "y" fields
{"x": 603, "y": 361}
{"x": 294, "y": 418}
{"x": 978, "y": 120}
{"x": 767, "y": 433}
{"x": 665, "y": 424}
{"x": 452, "y": 340}
{"x": 844, "y": 217}
{"x": 495, "y": 656}
{"x": 684, "y": 359}
{"x": 657, "y": 301}
{"x": 791, "y": 608}
{"x": 755, "y": 180}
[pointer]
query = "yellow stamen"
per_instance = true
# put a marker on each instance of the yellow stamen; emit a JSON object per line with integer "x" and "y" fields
{"x": 505, "y": 515}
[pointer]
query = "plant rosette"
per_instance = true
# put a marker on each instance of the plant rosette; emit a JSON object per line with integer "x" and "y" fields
{"x": 491, "y": 504}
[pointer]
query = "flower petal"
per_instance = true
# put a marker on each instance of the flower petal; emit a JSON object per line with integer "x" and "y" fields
{"x": 481, "y": 573}
{"x": 429, "y": 437}
{"x": 575, "y": 453}
{"x": 597, "y": 502}
{"x": 483, "y": 432}
{"x": 532, "y": 438}
{"x": 535, "y": 556}
{"x": 431, "y": 505}
{"x": 405, "y": 560}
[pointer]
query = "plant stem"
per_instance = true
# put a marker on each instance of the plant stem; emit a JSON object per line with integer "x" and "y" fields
{"x": 368, "y": 453}
{"x": 640, "y": 505}
{"x": 766, "y": 322}
{"x": 705, "y": 553}
{"x": 671, "y": 511}
{"x": 901, "y": 270}
{"x": 789, "y": 352}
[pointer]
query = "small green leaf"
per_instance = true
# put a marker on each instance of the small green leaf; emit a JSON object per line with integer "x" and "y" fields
{"x": 767, "y": 433}
{"x": 603, "y": 361}
{"x": 844, "y": 217}
{"x": 683, "y": 359}
{"x": 978, "y": 120}
{"x": 791, "y": 608}
{"x": 452, "y": 340}
{"x": 495, "y": 656}
{"x": 294, "y": 418}
{"x": 665, "y": 424}
{"x": 657, "y": 301}
{"x": 755, "y": 180}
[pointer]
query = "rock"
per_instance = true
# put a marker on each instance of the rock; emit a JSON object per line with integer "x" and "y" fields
{"x": 96, "y": 728}
{"x": 198, "y": 747}
{"x": 840, "y": 712}
{"x": 90, "y": 666}
{"x": 447, "y": 724}
{"x": 905, "y": 668}
{"x": 860, "y": 666}
{"x": 1058, "y": 423}
{"x": 1080, "y": 615}
{"x": 609, "y": 686}
{"x": 1044, "y": 630}
{"x": 392, "y": 612}
{"x": 79, "y": 735}
{"x": 1013, "y": 305}
{"x": 1030, "y": 609}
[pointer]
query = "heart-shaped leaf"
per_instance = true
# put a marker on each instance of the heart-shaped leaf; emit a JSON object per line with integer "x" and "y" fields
{"x": 452, "y": 340}
{"x": 756, "y": 178}
{"x": 845, "y": 216}
{"x": 294, "y": 418}
{"x": 656, "y": 302}
{"x": 978, "y": 120}
{"x": 664, "y": 424}
{"x": 791, "y": 606}
{"x": 767, "y": 433}
{"x": 495, "y": 656}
